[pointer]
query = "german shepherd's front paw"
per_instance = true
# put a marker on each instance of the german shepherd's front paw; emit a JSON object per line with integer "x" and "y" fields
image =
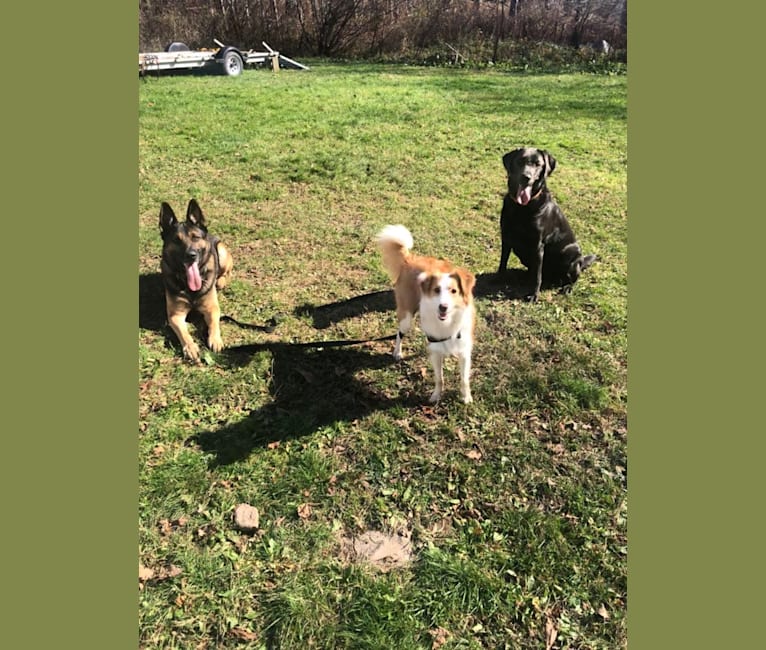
{"x": 466, "y": 397}
{"x": 215, "y": 343}
{"x": 191, "y": 351}
{"x": 435, "y": 396}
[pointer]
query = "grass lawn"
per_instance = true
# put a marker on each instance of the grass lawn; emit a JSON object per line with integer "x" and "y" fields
{"x": 510, "y": 513}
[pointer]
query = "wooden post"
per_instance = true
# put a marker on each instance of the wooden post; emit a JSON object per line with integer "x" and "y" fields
{"x": 274, "y": 56}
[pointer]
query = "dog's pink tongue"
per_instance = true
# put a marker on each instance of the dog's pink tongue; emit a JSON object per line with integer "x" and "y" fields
{"x": 523, "y": 195}
{"x": 193, "y": 278}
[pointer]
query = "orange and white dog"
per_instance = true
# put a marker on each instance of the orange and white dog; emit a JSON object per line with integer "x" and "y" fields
{"x": 443, "y": 294}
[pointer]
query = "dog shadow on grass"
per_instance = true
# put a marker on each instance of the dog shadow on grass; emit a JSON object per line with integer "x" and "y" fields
{"x": 151, "y": 302}
{"x": 512, "y": 286}
{"x": 311, "y": 388}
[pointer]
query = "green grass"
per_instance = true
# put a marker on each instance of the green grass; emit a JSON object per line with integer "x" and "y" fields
{"x": 516, "y": 505}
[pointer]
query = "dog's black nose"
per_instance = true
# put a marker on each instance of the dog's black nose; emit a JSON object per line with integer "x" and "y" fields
{"x": 442, "y": 309}
{"x": 191, "y": 254}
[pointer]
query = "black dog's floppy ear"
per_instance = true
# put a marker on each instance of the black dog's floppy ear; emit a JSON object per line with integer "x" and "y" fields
{"x": 509, "y": 158}
{"x": 167, "y": 217}
{"x": 550, "y": 163}
{"x": 194, "y": 214}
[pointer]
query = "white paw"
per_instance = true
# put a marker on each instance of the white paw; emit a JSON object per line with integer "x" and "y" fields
{"x": 435, "y": 396}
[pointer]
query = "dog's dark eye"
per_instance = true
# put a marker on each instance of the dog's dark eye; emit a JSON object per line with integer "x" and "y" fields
{"x": 453, "y": 290}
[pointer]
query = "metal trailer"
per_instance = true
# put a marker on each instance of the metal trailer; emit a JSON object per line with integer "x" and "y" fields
{"x": 227, "y": 59}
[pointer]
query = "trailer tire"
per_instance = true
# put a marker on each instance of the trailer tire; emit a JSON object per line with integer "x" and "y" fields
{"x": 232, "y": 63}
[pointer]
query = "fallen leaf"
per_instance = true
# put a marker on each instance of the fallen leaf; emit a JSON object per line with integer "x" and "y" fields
{"x": 304, "y": 510}
{"x": 145, "y": 573}
{"x": 440, "y": 636}
{"x": 603, "y": 613}
{"x": 473, "y": 454}
{"x": 550, "y": 634}
{"x": 273, "y": 445}
{"x": 245, "y": 635}
{"x": 429, "y": 413}
{"x": 169, "y": 572}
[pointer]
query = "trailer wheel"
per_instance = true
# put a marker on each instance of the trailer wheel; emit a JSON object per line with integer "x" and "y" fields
{"x": 232, "y": 64}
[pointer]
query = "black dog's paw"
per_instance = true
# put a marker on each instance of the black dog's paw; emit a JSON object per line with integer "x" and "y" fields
{"x": 566, "y": 289}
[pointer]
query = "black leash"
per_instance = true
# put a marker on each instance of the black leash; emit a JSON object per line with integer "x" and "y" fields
{"x": 340, "y": 343}
{"x": 271, "y": 325}
{"x": 251, "y": 348}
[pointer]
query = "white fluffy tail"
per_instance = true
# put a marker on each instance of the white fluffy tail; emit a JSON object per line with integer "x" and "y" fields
{"x": 396, "y": 234}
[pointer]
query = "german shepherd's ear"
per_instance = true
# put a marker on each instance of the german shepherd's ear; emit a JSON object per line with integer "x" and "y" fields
{"x": 509, "y": 158}
{"x": 194, "y": 214}
{"x": 466, "y": 281}
{"x": 550, "y": 163}
{"x": 168, "y": 218}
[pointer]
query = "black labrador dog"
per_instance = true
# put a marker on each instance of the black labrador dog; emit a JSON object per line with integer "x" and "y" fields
{"x": 533, "y": 226}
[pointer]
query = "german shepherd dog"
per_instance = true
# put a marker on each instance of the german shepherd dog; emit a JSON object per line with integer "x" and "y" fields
{"x": 442, "y": 294}
{"x": 533, "y": 226}
{"x": 195, "y": 265}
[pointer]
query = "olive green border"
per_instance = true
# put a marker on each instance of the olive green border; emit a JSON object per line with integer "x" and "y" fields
{"x": 70, "y": 313}
{"x": 694, "y": 232}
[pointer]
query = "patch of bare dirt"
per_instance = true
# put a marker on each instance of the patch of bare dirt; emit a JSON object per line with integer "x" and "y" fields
{"x": 383, "y": 551}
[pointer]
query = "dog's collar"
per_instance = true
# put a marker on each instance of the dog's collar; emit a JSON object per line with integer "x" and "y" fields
{"x": 431, "y": 339}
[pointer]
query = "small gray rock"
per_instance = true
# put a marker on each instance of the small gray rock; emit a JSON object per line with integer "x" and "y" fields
{"x": 246, "y": 517}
